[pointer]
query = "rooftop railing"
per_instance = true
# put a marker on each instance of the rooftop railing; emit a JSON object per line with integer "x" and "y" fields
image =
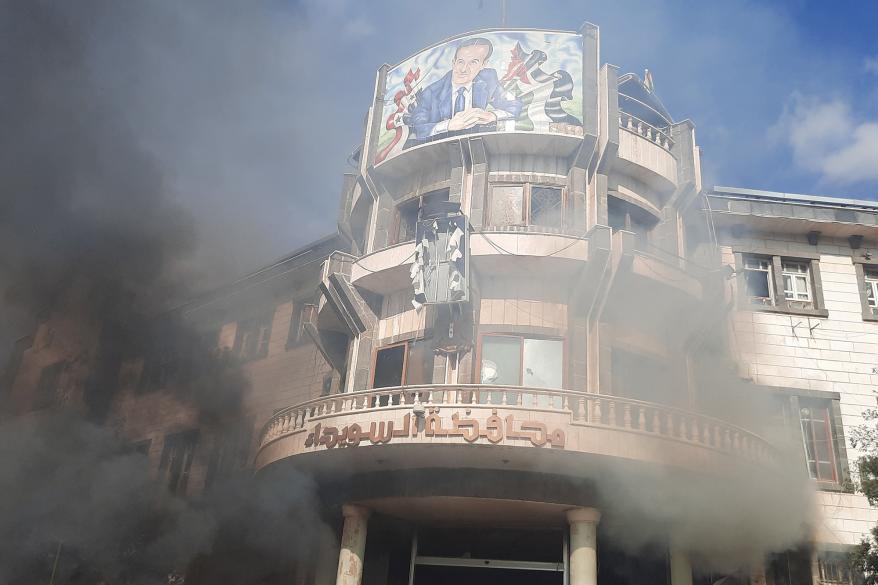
{"x": 637, "y": 126}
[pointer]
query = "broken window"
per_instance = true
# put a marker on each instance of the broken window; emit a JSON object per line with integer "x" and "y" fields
{"x": 389, "y": 366}
{"x": 546, "y": 204}
{"x": 406, "y": 221}
{"x": 757, "y": 279}
{"x": 796, "y": 276}
{"x": 176, "y": 460}
{"x": 817, "y": 438}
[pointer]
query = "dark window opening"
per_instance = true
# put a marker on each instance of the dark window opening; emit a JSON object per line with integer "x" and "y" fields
{"x": 389, "y": 367}
{"x": 758, "y": 279}
{"x": 142, "y": 447}
{"x": 158, "y": 372}
{"x": 296, "y": 335}
{"x": 47, "y": 387}
{"x": 622, "y": 215}
{"x": 406, "y": 221}
{"x": 326, "y": 388}
{"x": 229, "y": 455}
{"x": 176, "y": 460}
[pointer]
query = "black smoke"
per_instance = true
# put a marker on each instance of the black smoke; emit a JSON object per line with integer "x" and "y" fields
{"x": 91, "y": 234}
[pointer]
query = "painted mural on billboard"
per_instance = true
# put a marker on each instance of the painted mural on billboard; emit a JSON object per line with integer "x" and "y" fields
{"x": 502, "y": 81}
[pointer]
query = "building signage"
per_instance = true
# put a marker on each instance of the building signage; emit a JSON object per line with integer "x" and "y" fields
{"x": 497, "y": 81}
{"x": 493, "y": 430}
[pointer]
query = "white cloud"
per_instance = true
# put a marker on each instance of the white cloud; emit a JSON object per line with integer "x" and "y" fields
{"x": 826, "y": 138}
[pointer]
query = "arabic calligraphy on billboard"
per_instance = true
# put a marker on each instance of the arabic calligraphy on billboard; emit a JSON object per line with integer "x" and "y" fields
{"x": 501, "y": 81}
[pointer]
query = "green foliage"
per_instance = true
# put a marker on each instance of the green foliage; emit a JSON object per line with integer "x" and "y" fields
{"x": 864, "y": 557}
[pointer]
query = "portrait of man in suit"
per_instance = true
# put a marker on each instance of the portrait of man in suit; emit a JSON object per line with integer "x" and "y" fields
{"x": 469, "y": 98}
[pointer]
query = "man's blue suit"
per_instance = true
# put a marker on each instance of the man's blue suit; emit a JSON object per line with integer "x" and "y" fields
{"x": 434, "y": 102}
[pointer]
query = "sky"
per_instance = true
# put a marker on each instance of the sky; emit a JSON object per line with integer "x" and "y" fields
{"x": 251, "y": 109}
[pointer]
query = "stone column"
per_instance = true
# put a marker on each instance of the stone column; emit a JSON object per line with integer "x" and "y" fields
{"x": 583, "y": 545}
{"x": 353, "y": 545}
{"x": 681, "y": 568}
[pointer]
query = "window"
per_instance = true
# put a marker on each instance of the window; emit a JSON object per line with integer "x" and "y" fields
{"x": 326, "y": 388}
{"x": 509, "y": 360}
{"x": 757, "y": 279}
{"x": 817, "y": 439}
{"x": 834, "y": 568}
{"x": 389, "y": 367}
{"x": 229, "y": 454}
{"x": 432, "y": 204}
{"x": 406, "y": 221}
{"x": 507, "y": 205}
{"x": 252, "y": 337}
{"x": 409, "y": 363}
{"x": 622, "y": 215}
{"x": 796, "y": 279}
{"x": 789, "y": 285}
{"x": 871, "y": 288}
{"x": 296, "y": 334}
{"x": 176, "y": 460}
{"x": 47, "y": 386}
{"x": 527, "y": 204}
{"x": 157, "y": 372}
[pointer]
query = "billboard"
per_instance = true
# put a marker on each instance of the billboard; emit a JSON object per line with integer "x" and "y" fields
{"x": 496, "y": 81}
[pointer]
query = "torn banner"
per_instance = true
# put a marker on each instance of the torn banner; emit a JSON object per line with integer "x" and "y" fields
{"x": 441, "y": 261}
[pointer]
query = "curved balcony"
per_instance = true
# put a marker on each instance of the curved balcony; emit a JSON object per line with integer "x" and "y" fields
{"x": 645, "y": 154}
{"x": 490, "y": 426}
{"x": 387, "y": 269}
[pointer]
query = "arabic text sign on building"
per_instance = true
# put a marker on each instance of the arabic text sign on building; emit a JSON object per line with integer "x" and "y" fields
{"x": 493, "y": 430}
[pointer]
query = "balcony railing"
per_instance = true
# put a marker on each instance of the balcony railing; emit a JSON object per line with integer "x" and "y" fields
{"x": 646, "y": 130}
{"x": 584, "y": 409}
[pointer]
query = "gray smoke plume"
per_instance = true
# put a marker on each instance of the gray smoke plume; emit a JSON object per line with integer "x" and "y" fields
{"x": 91, "y": 233}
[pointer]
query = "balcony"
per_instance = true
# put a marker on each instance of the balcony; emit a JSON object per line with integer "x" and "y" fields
{"x": 645, "y": 154}
{"x": 483, "y": 426}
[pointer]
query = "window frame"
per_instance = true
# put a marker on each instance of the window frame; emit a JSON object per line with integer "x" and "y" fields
{"x": 187, "y": 442}
{"x": 261, "y": 324}
{"x": 863, "y": 268}
{"x": 826, "y": 422}
{"x": 417, "y": 202}
{"x": 526, "y": 203}
{"x": 779, "y": 303}
{"x": 521, "y": 337}
{"x": 792, "y": 400}
{"x": 405, "y": 357}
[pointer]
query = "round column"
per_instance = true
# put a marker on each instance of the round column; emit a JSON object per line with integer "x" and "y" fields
{"x": 353, "y": 545}
{"x": 583, "y": 545}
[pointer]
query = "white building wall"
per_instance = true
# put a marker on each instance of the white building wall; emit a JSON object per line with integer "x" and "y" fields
{"x": 836, "y": 354}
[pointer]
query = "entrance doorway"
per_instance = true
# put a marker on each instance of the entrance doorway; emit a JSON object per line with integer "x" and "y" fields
{"x": 488, "y": 557}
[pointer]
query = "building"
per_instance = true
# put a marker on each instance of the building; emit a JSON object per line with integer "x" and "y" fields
{"x": 538, "y": 349}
